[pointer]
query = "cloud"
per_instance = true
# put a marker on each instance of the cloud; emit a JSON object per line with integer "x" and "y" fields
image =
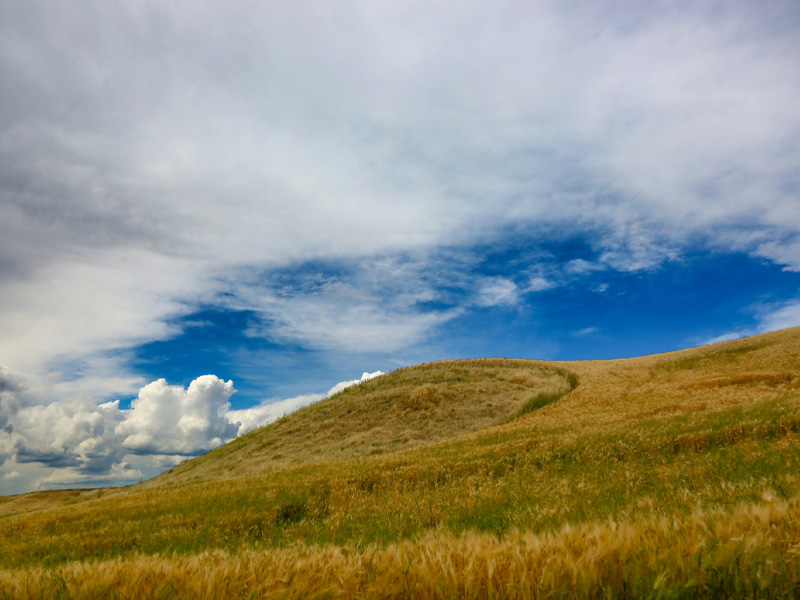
{"x": 342, "y": 385}
{"x": 80, "y": 443}
{"x": 770, "y": 317}
{"x": 133, "y": 181}
{"x": 11, "y": 385}
{"x": 585, "y": 331}
{"x": 168, "y": 419}
{"x": 540, "y": 284}
{"x": 780, "y": 317}
{"x": 579, "y": 266}
{"x": 497, "y": 291}
{"x": 70, "y": 433}
{"x": 371, "y": 307}
{"x": 118, "y": 474}
{"x": 268, "y": 412}
{"x": 727, "y": 337}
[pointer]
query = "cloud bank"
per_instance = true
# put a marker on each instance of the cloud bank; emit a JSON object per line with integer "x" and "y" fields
{"x": 90, "y": 444}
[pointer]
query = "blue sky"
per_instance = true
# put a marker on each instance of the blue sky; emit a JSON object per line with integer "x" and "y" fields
{"x": 606, "y": 314}
{"x": 212, "y": 215}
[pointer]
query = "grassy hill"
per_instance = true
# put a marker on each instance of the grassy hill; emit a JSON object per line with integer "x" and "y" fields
{"x": 673, "y": 475}
{"x": 404, "y": 409}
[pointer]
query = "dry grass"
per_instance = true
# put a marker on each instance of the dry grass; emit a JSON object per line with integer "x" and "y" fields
{"x": 403, "y": 409}
{"x": 662, "y": 476}
{"x": 10, "y": 505}
{"x": 752, "y": 552}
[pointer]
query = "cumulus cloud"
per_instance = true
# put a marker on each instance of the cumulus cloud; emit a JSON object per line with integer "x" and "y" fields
{"x": 82, "y": 443}
{"x": 70, "y": 433}
{"x": 11, "y": 385}
{"x": 268, "y": 412}
{"x": 118, "y": 474}
{"x": 167, "y": 419}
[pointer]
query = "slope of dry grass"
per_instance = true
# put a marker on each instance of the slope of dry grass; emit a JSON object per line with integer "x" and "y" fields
{"x": 400, "y": 410}
{"x": 665, "y": 476}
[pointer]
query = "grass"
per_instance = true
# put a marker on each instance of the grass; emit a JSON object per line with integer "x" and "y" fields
{"x": 663, "y": 476}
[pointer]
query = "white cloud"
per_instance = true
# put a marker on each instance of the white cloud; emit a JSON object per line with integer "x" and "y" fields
{"x": 69, "y": 434}
{"x": 585, "y": 331}
{"x": 167, "y": 419}
{"x": 768, "y": 318}
{"x": 781, "y": 317}
{"x": 90, "y": 304}
{"x": 540, "y": 284}
{"x": 373, "y": 311}
{"x": 270, "y": 411}
{"x": 342, "y": 385}
{"x": 497, "y": 291}
{"x": 118, "y": 474}
{"x": 726, "y": 337}
{"x": 579, "y": 266}
{"x": 75, "y": 442}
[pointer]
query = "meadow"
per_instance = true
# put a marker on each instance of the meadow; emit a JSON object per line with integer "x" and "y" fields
{"x": 665, "y": 476}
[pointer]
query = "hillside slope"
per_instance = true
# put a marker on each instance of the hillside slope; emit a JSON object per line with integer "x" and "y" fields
{"x": 404, "y": 409}
{"x": 672, "y": 475}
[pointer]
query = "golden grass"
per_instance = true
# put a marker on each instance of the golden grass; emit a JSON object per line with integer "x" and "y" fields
{"x": 754, "y": 551}
{"x": 664, "y": 476}
{"x": 403, "y": 409}
{"x": 10, "y": 505}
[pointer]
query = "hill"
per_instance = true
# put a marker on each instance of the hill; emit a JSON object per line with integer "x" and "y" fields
{"x": 672, "y": 475}
{"x": 404, "y": 409}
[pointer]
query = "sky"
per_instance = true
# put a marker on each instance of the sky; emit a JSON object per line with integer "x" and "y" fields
{"x": 213, "y": 213}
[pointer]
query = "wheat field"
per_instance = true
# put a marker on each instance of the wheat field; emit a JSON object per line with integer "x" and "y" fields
{"x": 665, "y": 476}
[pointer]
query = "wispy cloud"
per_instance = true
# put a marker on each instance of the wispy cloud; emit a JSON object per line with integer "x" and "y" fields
{"x": 771, "y": 317}
{"x": 586, "y": 331}
{"x": 497, "y": 291}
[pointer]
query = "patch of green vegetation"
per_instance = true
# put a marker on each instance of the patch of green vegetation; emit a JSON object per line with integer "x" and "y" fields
{"x": 542, "y": 399}
{"x": 538, "y": 401}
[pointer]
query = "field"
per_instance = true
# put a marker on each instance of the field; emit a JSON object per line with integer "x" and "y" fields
{"x": 666, "y": 476}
